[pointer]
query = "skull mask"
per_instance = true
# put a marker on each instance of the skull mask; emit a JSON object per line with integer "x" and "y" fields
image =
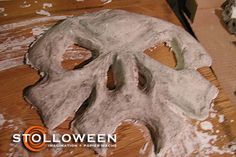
{"x": 118, "y": 38}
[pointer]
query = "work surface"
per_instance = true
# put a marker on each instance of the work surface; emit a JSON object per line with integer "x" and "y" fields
{"x": 20, "y": 27}
{"x": 211, "y": 32}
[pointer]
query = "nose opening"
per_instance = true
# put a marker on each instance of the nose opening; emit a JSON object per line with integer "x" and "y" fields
{"x": 145, "y": 78}
{"x": 111, "y": 85}
{"x": 115, "y": 75}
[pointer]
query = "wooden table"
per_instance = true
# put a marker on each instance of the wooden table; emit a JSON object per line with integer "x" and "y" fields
{"x": 19, "y": 115}
{"x": 221, "y": 45}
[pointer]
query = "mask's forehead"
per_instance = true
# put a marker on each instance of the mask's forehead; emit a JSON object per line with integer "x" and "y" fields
{"x": 119, "y": 31}
{"x": 117, "y": 27}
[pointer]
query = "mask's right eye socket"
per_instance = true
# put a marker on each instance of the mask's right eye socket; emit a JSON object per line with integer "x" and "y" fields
{"x": 76, "y": 57}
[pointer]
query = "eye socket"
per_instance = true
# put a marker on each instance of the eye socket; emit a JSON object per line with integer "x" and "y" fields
{"x": 76, "y": 57}
{"x": 162, "y": 53}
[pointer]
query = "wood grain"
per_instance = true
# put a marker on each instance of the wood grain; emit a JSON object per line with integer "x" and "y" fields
{"x": 13, "y": 81}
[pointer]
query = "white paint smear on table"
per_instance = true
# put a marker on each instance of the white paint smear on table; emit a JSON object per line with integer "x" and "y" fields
{"x": 143, "y": 149}
{"x": 43, "y": 12}
{"x": 206, "y": 125}
{"x": 221, "y": 118}
{"x": 10, "y": 26}
{"x": 12, "y": 44}
{"x": 212, "y": 115}
{"x": 191, "y": 139}
{"x": 47, "y": 5}
{"x": 2, "y": 10}
{"x": 39, "y": 30}
{"x": 106, "y": 1}
{"x": 17, "y": 150}
{"x": 25, "y": 5}
{"x": 10, "y": 63}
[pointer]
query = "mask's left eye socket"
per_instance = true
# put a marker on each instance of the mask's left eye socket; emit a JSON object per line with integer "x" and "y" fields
{"x": 75, "y": 57}
{"x": 162, "y": 53}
